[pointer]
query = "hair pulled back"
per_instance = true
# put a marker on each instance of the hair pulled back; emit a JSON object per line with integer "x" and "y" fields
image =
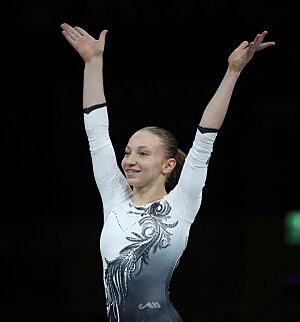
{"x": 171, "y": 150}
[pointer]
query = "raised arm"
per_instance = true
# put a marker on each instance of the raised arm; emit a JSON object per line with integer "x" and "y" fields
{"x": 111, "y": 183}
{"x": 91, "y": 50}
{"x": 214, "y": 114}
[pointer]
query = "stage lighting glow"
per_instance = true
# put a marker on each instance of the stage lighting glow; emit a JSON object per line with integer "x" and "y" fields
{"x": 292, "y": 228}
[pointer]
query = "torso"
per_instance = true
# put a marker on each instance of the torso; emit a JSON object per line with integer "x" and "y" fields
{"x": 141, "y": 246}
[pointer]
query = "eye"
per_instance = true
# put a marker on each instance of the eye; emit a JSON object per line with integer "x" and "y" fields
{"x": 126, "y": 153}
{"x": 143, "y": 153}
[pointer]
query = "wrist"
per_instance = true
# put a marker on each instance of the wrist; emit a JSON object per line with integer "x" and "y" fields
{"x": 233, "y": 71}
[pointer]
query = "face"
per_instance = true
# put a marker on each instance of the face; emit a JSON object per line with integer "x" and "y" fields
{"x": 144, "y": 162}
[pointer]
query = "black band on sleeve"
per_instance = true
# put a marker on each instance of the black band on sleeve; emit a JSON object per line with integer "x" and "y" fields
{"x": 93, "y": 107}
{"x": 207, "y": 129}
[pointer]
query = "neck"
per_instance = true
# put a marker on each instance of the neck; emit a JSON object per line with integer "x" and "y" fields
{"x": 142, "y": 196}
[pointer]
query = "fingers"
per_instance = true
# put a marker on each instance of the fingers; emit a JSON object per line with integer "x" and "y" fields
{"x": 243, "y": 45}
{"x": 69, "y": 39}
{"x": 258, "y": 43}
{"x": 81, "y": 31}
{"x": 266, "y": 45}
{"x": 70, "y": 33}
{"x": 74, "y": 34}
{"x": 103, "y": 34}
{"x": 259, "y": 38}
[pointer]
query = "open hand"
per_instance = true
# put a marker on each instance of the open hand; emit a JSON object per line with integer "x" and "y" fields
{"x": 86, "y": 45}
{"x": 239, "y": 58}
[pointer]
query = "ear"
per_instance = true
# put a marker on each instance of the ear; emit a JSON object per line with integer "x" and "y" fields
{"x": 168, "y": 166}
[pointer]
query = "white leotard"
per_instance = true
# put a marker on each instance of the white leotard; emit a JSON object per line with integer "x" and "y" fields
{"x": 141, "y": 245}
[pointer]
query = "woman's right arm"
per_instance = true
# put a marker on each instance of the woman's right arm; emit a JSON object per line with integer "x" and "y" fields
{"x": 111, "y": 182}
{"x": 109, "y": 179}
{"x": 91, "y": 50}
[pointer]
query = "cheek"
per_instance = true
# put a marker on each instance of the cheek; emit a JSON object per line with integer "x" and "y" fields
{"x": 123, "y": 163}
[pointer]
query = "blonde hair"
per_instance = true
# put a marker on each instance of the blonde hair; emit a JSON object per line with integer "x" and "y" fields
{"x": 171, "y": 150}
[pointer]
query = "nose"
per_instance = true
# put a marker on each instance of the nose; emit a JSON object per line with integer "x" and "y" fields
{"x": 130, "y": 159}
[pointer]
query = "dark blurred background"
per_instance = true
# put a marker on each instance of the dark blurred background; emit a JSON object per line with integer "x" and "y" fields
{"x": 163, "y": 62}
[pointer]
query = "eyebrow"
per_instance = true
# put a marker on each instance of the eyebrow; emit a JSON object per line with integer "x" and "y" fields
{"x": 139, "y": 147}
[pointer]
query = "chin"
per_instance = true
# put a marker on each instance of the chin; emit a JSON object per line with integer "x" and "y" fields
{"x": 132, "y": 181}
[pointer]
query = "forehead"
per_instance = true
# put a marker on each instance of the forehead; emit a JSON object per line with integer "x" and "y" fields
{"x": 144, "y": 138}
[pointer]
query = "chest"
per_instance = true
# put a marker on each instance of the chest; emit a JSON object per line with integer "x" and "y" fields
{"x": 151, "y": 229}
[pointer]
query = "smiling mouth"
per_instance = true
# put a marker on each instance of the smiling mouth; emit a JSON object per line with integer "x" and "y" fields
{"x": 132, "y": 172}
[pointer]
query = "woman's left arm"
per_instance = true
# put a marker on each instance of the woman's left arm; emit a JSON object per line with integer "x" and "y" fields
{"x": 193, "y": 176}
{"x": 214, "y": 113}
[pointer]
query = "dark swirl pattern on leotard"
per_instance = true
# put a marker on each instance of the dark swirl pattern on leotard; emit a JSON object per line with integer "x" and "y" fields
{"x": 154, "y": 236}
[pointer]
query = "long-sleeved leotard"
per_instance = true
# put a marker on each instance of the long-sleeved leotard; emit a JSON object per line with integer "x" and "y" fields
{"x": 141, "y": 245}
